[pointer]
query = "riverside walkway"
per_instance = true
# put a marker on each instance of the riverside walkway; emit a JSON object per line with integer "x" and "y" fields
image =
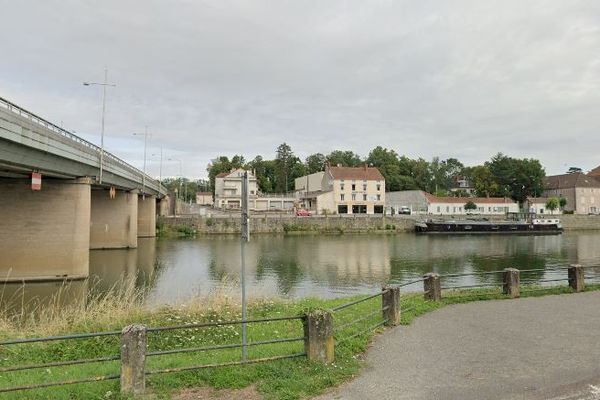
{"x": 527, "y": 349}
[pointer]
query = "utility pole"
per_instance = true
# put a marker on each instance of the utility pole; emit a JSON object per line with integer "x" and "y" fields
{"x": 245, "y": 239}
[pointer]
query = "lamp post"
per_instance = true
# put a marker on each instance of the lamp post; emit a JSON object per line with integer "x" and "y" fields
{"x": 104, "y": 85}
{"x": 145, "y": 134}
{"x": 159, "y": 165}
{"x": 180, "y": 171}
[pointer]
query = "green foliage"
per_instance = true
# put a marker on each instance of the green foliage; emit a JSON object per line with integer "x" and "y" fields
{"x": 517, "y": 178}
{"x": 469, "y": 206}
{"x": 186, "y": 189}
{"x": 315, "y": 163}
{"x": 562, "y": 202}
{"x": 344, "y": 158}
{"x": 552, "y": 204}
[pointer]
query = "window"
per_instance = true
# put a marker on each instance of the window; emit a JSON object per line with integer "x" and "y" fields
{"x": 453, "y": 209}
{"x": 342, "y": 197}
{"x": 353, "y": 196}
{"x": 364, "y": 186}
{"x": 378, "y": 209}
{"x": 447, "y": 208}
{"x": 364, "y": 197}
{"x": 359, "y": 209}
{"x": 353, "y": 187}
{"x": 342, "y": 209}
{"x": 341, "y": 186}
{"x": 378, "y": 197}
{"x": 489, "y": 209}
{"x": 379, "y": 187}
{"x": 438, "y": 209}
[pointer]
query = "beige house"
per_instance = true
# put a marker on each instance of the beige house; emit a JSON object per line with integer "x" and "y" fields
{"x": 228, "y": 194}
{"x": 204, "y": 198}
{"x": 343, "y": 190}
{"x": 581, "y": 191}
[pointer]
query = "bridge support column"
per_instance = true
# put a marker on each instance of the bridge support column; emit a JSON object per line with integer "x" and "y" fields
{"x": 146, "y": 216}
{"x": 45, "y": 234}
{"x": 114, "y": 221}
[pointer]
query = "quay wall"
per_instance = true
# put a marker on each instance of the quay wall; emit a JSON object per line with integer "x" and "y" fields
{"x": 332, "y": 223}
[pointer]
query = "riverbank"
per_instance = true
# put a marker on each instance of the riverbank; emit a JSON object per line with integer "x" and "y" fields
{"x": 281, "y": 379}
{"x": 328, "y": 224}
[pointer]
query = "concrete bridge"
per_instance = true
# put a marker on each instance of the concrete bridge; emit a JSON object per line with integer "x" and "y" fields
{"x": 47, "y": 233}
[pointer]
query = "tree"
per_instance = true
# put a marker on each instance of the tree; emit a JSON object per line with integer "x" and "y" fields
{"x": 387, "y": 162}
{"x": 552, "y": 204}
{"x": 483, "y": 181}
{"x": 574, "y": 170}
{"x": 517, "y": 178}
{"x": 344, "y": 158}
{"x": 315, "y": 163}
{"x": 562, "y": 202}
{"x": 287, "y": 167}
{"x": 470, "y": 206}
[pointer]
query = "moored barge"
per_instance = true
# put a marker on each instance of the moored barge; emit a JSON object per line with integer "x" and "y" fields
{"x": 535, "y": 226}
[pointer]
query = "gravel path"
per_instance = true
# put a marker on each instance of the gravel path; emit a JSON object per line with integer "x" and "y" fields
{"x": 534, "y": 348}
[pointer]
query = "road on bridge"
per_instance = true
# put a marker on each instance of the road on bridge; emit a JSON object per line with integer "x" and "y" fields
{"x": 533, "y": 348}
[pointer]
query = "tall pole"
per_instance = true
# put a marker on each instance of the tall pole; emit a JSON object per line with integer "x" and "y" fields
{"x": 102, "y": 130}
{"x": 104, "y": 85}
{"x": 145, "y": 144}
{"x": 245, "y": 240}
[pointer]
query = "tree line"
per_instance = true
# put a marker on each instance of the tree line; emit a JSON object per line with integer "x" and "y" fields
{"x": 501, "y": 176}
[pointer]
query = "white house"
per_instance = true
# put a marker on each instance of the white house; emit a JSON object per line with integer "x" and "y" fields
{"x": 537, "y": 205}
{"x": 422, "y": 202}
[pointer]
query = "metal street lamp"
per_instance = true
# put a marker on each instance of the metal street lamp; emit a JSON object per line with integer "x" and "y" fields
{"x": 104, "y": 85}
{"x": 145, "y": 134}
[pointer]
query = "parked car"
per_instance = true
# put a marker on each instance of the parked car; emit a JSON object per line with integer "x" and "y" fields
{"x": 303, "y": 213}
{"x": 404, "y": 210}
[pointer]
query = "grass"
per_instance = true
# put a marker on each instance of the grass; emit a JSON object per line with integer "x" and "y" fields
{"x": 283, "y": 379}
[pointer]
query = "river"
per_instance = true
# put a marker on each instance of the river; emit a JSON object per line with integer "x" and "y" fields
{"x": 173, "y": 270}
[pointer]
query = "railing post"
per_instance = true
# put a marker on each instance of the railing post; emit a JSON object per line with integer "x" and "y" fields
{"x": 133, "y": 360}
{"x": 576, "y": 277}
{"x": 511, "y": 282}
{"x": 318, "y": 336}
{"x": 432, "y": 286}
{"x": 390, "y": 304}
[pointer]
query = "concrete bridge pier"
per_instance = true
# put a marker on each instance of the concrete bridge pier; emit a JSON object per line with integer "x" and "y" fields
{"x": 45, "y": 234}
{"x": 146, "y": 216}
{"x": 114, "y": 219}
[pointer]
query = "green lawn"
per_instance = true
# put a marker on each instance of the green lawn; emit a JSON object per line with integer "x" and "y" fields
{"x": 282, "y": 379}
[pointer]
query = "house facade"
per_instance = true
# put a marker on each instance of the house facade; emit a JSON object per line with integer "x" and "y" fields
{"x": 344, "y": 190}
{"x": 228, "y": 194}
{"x": 581, "y": 191}
{"x": 537, "y": 205}
{"x": 421, "y": 202}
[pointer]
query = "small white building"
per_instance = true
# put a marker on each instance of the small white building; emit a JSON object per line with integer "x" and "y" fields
{"x": 537, "y": 205}
{"x": 204, "y": 198}
{"x": 421, "y": 202}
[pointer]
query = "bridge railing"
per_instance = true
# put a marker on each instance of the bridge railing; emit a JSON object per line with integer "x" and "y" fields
{"x": 150, "y": 182}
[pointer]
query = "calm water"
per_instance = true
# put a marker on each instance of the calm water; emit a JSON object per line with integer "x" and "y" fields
{"x": 173, "y": 270}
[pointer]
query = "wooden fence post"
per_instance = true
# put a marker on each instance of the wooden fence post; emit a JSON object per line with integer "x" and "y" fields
{"x": 390, "y": 304}
{"x": 511, "y": 282}
{"x": 576, "y": 277}
{"x": 133, "y": 360}
{"x": 432, "y": 286}
{"x": 318, "y": 336}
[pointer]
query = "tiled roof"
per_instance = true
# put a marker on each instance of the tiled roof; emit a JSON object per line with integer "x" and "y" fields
{"x": 595, "y": 172}
{"x": 464, "y": 200}
{"x": 569, "y": 181}
{"x": 356, "y": 173}
{"x": 204, "y": 193}
{"x": 222, "y": 175}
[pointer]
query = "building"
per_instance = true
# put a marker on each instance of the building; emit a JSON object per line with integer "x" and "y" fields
{"x": 581, "y": 191}
{"x": 343, "y": 190}
{"x": 228, "y": 194}
{"x": 204, "y": 198}
{"x": 595, "y": 173}
{"x": 462, "y": 185}
{"x": 421, "y": 202}
{"x": 537, "y": 205}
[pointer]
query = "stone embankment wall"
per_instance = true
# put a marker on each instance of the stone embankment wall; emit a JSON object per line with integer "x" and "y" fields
{"x": 334, "y": 223}
{"x": 292, "y": 224}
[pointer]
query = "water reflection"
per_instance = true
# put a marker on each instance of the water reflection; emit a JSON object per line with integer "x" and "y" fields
{"x": 300, "y": 266}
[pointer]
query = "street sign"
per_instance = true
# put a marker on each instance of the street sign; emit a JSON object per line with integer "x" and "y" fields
{"x": 36, "y": 181}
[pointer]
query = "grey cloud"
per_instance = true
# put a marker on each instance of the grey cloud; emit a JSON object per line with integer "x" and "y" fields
{"x": 459, "y": 79}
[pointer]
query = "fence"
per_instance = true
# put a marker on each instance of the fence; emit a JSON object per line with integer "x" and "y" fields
{"x": 313, "y": 335}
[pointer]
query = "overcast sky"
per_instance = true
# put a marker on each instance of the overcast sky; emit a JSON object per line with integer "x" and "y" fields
{"x": 462, "y": 79}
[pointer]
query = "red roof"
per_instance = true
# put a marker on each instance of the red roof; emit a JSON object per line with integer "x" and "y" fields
{"x": 203, "y": 193}
{"x": 222, "y": 175}
{"x": 357, "y": 173}
{"x": 595, "y": 172}
{"x": 464, "y": 200}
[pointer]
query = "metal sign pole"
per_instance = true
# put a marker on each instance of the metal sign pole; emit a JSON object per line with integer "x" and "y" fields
{"x": 245, "y": 240}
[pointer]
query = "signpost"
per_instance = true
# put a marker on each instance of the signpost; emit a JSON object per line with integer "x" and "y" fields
{"x": 36, "y": 181}
{"x": 245, "y": 240}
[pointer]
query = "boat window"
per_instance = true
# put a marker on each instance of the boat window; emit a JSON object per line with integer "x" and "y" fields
{"x": 468, "y": 227}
